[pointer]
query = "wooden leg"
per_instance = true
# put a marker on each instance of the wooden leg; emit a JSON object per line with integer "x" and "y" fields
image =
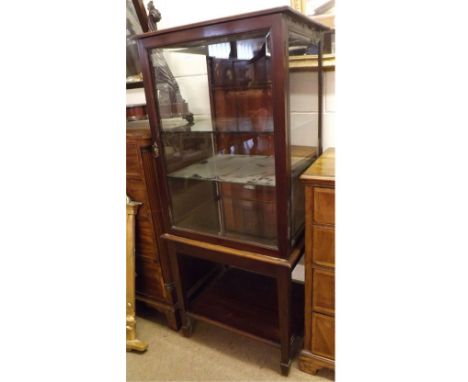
{"x": 180, "y": 290}
{"x": 172, "y": 319}
{"x": 172, "y": 315}
{"x": 147, "y": 306}
{"x": 187, "y": 329}
{"x": 283, "y": 282}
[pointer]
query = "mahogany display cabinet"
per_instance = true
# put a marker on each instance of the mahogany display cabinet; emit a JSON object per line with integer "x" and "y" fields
{"x": 229, "y": 153}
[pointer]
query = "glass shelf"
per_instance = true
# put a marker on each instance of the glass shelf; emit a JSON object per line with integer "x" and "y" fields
{"x": 245, "y": 169}
{"x": 256, "y": 170}
{"x": 180, "y": 131}
{"x": 266, "y": 85}
{"x": 175, "y": 125}
{"x": 204, "y": 124}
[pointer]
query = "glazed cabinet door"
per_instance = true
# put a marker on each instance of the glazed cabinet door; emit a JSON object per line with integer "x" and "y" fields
{"x": 214, "y": 105}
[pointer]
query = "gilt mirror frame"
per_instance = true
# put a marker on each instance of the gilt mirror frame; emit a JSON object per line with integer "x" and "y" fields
{"x": 137, "y": 22}
{"x": 310, "y": 62}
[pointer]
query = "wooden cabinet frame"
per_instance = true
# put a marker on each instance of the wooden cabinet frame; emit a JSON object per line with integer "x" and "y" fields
{"x": 279, "y": 21}
{"x": 275, "y": 263}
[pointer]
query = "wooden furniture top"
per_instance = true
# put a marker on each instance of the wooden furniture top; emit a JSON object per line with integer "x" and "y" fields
{"x": 233, "y": 255}
{"x": 323, "y": 169}
{"x": 139, "y": 128}
{"x": 284, "y": 9}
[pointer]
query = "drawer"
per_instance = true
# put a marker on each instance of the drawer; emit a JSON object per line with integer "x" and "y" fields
{"x": 323, "y": 245}
{"x": 323, "y": 291}
{"x": 148, "y": 280}
{"x": 324, "y": 205}
{"x": 323, "y": 335}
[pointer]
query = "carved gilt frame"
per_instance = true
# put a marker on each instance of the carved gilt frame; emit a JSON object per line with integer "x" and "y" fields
{"x": 309, "y": 61}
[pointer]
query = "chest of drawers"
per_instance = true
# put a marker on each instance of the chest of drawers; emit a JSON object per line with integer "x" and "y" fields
{"x": 319, "y": 337}
{"x": 153, "y": 282}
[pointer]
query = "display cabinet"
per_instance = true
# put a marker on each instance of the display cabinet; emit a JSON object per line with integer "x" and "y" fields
{"x": 229, "y": 152}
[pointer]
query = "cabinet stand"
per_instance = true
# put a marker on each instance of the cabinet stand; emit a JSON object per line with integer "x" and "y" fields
{"x": 252, "y": 294}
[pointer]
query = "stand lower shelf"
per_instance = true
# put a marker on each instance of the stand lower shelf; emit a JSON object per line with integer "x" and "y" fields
{"x": 246, "y": 303}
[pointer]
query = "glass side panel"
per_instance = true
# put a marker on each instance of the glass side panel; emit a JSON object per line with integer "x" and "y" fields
{"x": 303, "y": 122}
{"x": 214, "y": 102}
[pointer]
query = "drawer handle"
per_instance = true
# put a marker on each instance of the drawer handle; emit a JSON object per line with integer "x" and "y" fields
{"x": 249, "y": 186}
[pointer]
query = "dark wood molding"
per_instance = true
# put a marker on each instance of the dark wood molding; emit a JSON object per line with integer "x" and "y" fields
{"x": 141, "y": 13}
{"x": 244, "y": 17}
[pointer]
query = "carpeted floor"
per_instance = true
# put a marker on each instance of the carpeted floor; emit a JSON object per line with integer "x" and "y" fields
{"x": 211, "y": 354}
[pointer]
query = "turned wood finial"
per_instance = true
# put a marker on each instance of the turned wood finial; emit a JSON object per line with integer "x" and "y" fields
{"x": 154, "y": 16}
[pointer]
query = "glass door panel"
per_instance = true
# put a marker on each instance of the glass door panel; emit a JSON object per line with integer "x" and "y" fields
{"x": 215, "y": 108}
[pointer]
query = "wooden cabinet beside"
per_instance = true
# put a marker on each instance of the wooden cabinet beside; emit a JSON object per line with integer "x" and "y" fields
{"x": 319, "y": 338}
{"x": 153, "y": 280}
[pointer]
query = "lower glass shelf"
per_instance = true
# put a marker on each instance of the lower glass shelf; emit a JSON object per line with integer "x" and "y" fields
{"x": 257, "y": 170}
{"x": 247, "y": 304}
{"x": 234, "y": 196}
{"x": 245, "y": 169}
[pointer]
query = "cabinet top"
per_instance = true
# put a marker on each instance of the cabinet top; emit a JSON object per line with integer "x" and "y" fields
{"x": 323, "y": 169}
{"x": 138, "y": 129}
{"x": 284, "y": 9}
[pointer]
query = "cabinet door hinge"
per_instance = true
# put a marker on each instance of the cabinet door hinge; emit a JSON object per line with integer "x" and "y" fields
{"x": 155, "y": 148}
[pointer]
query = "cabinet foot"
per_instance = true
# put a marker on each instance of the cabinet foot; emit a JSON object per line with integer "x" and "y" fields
{"x": 285, "y": 368}
{"x": 148, "y": 308}
{"x": 187, "y": 331}
{"x": 173, "y": 320}
{"x": 187, "y": 328}
{"x": 311, "y": 363}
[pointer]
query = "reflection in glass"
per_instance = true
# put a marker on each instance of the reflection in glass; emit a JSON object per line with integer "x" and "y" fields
{"x": 304, "y": 137}
{"x": 220, "y": 164}
{"x": 133, "y": 28}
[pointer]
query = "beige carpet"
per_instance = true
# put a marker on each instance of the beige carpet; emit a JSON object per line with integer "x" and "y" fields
{"x": 211, "y": 354}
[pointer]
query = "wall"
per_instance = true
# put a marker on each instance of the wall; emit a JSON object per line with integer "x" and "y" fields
{"x": 304, "y": 105}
